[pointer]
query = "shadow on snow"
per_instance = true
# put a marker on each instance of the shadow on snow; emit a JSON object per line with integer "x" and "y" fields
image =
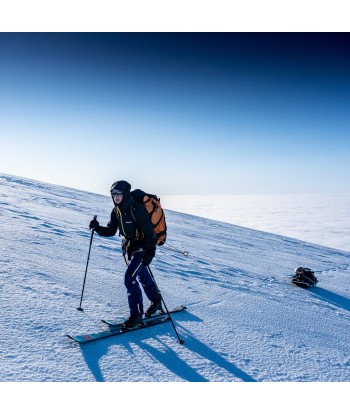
{"x": 332, "y": 298}
{"x": 164, "y": 354}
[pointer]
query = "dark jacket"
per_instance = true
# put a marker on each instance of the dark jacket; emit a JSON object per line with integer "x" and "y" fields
{"x": 139, "y": 233}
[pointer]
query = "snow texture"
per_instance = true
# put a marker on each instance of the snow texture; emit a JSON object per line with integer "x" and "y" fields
{"x": 245, "y": 322}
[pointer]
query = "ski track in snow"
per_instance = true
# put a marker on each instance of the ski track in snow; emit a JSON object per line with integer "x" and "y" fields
{"x": 245, "y": 322}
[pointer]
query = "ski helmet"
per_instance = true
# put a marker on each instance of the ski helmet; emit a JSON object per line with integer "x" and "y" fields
{"x": 120, "y": 187}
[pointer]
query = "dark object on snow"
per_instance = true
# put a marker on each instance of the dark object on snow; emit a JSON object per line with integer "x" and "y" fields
{"x": 304, "y": 277}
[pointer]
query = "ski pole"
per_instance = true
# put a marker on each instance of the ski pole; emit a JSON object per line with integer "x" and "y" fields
{"x": 166, "y": 308}
{"x": 87, "y": 263}
{"x": 124, "y": 249}
{"x": 126, "y": 262}
{"x": 172, "y": 248}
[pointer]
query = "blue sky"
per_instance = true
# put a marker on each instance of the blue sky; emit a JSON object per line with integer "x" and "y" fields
{"x": 177, "y": 113}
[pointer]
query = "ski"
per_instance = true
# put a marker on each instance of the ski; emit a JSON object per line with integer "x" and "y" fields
{"x": 115, "y": 324}
{"x": 115, "y": 328}
{"x": 85, "y": 338}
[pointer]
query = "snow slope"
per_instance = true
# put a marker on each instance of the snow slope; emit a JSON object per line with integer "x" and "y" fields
{"x": 245, "y": 321}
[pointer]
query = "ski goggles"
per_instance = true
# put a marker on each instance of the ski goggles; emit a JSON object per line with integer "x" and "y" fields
{"x": 116, "y": 193}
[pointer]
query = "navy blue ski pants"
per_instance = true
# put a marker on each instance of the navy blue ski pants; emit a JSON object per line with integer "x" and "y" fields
{"x": 137, "y": 271}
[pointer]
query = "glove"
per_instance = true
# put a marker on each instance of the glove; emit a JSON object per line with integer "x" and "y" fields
{"x": 94, "y": 224}
{"x": 147, "y": 258}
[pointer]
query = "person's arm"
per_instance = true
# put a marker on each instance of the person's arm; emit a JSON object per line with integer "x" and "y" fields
{"x": 109, "y": 230}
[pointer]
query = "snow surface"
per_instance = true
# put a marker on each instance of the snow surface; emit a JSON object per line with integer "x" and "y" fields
{"x": 245, "y": 322}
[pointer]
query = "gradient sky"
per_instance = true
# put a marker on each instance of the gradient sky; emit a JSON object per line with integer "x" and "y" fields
{"x": 177, "y": 113}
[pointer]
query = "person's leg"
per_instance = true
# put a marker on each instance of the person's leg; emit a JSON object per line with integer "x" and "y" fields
{"x": 151, "y": 291}
{"x": 149, "y": 286}
{"x": 132, "y": 286}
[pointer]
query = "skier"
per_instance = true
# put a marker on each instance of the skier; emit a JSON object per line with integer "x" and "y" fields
{"x": 139, "y": 245}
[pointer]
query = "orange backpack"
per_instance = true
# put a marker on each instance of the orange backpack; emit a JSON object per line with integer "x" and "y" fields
{"x": 155, "y": 213}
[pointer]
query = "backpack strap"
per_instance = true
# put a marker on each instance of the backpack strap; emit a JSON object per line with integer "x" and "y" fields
{"x": 132, "y": 212}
